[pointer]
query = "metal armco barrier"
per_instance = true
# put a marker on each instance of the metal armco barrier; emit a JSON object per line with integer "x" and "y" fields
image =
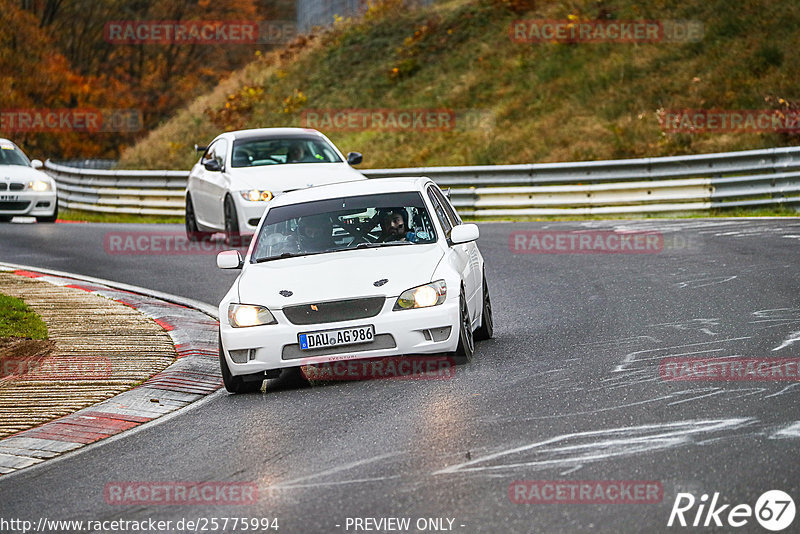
{"x": 645, "y": 185}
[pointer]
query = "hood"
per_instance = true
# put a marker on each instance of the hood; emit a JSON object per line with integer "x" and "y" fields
{"x": 287, "y": 177}
{"x": 339, "y": 275}
{"x": 22, "y": 174}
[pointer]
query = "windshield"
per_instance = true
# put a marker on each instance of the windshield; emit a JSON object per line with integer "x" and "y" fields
{"x": 366, "y": 221}
{"x": 257, "y": 152}
{"x": 11, "y": 155}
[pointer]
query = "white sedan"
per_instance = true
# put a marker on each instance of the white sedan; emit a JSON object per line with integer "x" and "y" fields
{"x": 25, "y": 191}
{"x": 356, "y": 270}
{"x": 241, "y": 171}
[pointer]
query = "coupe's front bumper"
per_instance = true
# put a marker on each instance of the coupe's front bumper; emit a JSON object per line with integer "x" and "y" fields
{"x": 254, "y": 349}
{"x": 27, "y": 203}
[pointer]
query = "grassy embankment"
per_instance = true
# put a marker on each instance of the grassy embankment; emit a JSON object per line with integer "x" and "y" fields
{"x": 516, "y": 103}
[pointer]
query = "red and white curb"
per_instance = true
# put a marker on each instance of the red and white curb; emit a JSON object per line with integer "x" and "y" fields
{"x": 194, "y": 375}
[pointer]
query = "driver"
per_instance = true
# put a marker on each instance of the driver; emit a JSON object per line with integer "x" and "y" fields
{"x": 298, "y": 153}
{"x": 394, "y": 225}
{"x": 315, "y": 233}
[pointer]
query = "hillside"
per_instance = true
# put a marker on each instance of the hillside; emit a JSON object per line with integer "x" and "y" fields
{"x": 511, "y": 102}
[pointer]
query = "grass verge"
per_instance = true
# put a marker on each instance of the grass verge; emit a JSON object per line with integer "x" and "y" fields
{"x": 90, "y": 216}
{"x": 17, "y": 320}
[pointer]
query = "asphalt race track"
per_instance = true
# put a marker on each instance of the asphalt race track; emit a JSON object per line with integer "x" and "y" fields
{"x": 570, "y": 389}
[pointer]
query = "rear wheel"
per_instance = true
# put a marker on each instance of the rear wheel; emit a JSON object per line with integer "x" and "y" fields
{"x": 466, "y": 342}
{"x": 49, "y": 218}
{"x": 231, "y": 223}
{"x": 237, "y": 384}
{"x": 192, "y": 230}
{"x": 5, "y": 218}
{"x": 486, "y": 330}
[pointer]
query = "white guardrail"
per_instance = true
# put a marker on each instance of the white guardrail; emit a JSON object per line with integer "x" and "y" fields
{"x": 681, "y": 183}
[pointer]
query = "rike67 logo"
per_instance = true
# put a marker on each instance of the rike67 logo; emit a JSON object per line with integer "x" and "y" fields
{"x": 774, "y": 510}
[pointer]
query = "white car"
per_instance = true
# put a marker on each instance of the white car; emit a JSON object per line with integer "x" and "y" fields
{"x": 241, "y": 171}
{"x": 25, "y": 191}
{"x": 355, "y": 270}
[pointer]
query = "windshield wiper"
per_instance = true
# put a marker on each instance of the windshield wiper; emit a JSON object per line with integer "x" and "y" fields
{"x": 278, "y": 257}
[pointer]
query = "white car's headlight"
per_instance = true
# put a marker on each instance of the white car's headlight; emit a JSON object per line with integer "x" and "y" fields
{"x": 40, "y": 186}
{"x": 256, "y": 195}
{"x": 242, "y": 315}
{"x": 425, "y": 296}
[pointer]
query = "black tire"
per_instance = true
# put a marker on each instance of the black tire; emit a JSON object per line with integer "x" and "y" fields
{"x": 5, "y": 218}
{"x": 466, "y": 341}
{"x": 49, "y": 218}
{"x": 486, "y": 329}
{"x": 235, "y": 384}
{"x": 231, "y": 223}
{"x": 193, "y": 233}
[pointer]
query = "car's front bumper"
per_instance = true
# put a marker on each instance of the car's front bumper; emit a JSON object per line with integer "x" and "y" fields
{"x": 27, "y": 203}
{"x": 249, "y": 213}
{"x": 431, "y": 330}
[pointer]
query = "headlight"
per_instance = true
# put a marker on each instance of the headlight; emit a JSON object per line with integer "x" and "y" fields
{"x": 40, "y": 186}
{"x": 241, "y": 315}
{"x": 425, "y": 296}
{"x": 256, "y": 195}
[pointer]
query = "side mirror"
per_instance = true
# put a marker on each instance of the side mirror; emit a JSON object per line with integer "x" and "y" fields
{"x": 198, "y": 148}
{"x": 447, "y": 192}
{"x": 464, "y": 233}
{"x": 37, "y": 164}
{"x": 354, "y": 158}
{"x": 212, "y": 165}
{"x": 230, "y": 259}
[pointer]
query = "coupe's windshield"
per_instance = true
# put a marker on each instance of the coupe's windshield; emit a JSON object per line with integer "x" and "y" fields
{"x": 258, "y": 151}
{"x": 344, "y": 223}
{"x": 11, "y": 155}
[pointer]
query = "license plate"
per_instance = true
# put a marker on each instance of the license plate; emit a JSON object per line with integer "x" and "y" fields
{"x": 9, "y": 197}
{"x": 339, "y": 336}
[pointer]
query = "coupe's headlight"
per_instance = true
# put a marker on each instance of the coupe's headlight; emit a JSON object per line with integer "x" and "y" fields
{"x": 256, "y": 195}
{"x": 241, "y": 315}
{"x": 425, "y": 296}
{"x": 40, "y": 186}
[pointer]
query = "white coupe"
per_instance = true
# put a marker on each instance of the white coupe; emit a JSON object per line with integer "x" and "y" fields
{"x": 25, "y": 191}
{"x": 241, "y": 171}
{"x": 355, "y": 270}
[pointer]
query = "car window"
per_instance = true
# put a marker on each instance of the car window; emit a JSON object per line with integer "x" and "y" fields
{"x": 344, "y": 223}
{"x": 256, "y": 152}
{"x": 216, "y": 151}
{"x": 448, "y": 208}
{"x": 11, "y": 155}
{"x": 440, "y": 212}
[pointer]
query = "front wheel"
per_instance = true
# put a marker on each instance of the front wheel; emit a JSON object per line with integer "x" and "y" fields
{"x": 466, "y": 342}
{"x": 235, "y": 384}
{"x": 231, "y": 223}
{"x": 486, "y": 330}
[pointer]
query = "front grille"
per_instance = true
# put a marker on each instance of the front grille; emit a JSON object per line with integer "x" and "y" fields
{"x": 16, "y": 187}
{"x": 331, "y": 312}
{"x": 3, "y": 186}
{"x": 14, "y": 206}
{"x": 382, "y": 341}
